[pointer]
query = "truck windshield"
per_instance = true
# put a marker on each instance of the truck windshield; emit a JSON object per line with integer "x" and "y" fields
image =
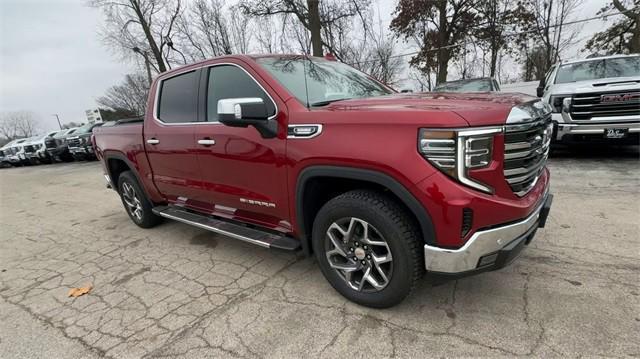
{"x": 599, "y": 69}
{"x": 472, "y": 85}
{"x": 326, "y": 81}
{"x": 86, "y": 128}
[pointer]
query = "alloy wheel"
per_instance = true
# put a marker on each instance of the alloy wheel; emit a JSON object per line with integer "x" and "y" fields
{"x": 131, "y": 200}
{"x": 359, "y": 254}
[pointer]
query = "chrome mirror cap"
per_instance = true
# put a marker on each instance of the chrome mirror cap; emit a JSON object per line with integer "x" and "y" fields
{"x": 231, "y": 106}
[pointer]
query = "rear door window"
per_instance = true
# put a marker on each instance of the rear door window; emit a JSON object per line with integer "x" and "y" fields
{"x": 179, "y": 98}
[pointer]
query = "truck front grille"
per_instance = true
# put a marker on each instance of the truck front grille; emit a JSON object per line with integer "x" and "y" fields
{"x": 73, "y": 142}
{"x": 526, "y": 150}
{"x": 588, "y": 106}
{"x": 50, "y": 143}
{"x": 28, "y": 149}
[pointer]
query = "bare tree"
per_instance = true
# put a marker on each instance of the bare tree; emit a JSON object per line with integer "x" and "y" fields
{"x": 377, "y": 57}
{"x": 129, "y": 97}
{"x": 144, "y": 24}
{"x": 18, "y": 124}
{"x": 312, "y": 15}
{"x": 495, "y": 19}
{"x": 624, "y": 35}
{"x": 547, "y": 32}
{"x": 437, "y": 27}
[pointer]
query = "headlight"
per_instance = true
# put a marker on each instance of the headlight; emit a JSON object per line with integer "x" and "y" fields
{"x": 455, "y": 152}
{"x": 557, "y": 101}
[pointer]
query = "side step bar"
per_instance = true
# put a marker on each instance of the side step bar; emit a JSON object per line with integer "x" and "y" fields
{"x": 246, "y": 234}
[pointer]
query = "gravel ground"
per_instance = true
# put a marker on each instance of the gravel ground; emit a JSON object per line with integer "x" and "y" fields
{"x": 178, "y": 291}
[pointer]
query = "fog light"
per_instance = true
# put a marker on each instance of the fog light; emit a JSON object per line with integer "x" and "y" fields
{"x": 487, "y": 260}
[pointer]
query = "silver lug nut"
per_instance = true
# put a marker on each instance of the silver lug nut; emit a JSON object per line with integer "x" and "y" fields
{"x": 357, "y": 244}
{"x": 368, "y": 256}
{"x": 363, "y": 262}
{"x": 365, "y": 247}
{"x": 355, "y": 258}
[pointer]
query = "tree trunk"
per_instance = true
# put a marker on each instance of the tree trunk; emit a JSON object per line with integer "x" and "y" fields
{"x": 443, "y": 66}
{"x": 147, "y": 33}
{"x": 635, "y": 39}
{"x": 443, "y": 53}
{"x": 494, "y": 58}
{"x": 315, "y": 27}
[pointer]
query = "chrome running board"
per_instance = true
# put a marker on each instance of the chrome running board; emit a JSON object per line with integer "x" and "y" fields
{"x": 229, "y": 229}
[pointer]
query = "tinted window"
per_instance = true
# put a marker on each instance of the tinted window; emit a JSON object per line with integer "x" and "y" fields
{"x": 227, "y": 81}
{"x": 178, "y": 99}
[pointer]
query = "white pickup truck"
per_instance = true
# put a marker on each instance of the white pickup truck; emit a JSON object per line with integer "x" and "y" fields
{"x": 595, "y": 100}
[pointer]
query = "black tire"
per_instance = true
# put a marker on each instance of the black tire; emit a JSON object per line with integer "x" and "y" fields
{"x": 386, "y": 218}
{"x": 142, "y": 216}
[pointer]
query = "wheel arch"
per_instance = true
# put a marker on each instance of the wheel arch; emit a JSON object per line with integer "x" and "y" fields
{"x": 115, "y": 164}
{"x": 307, "y": 205}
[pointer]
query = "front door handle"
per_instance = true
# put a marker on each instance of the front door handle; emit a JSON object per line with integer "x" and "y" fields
{"x": 153, "y": 141}
{"x": 207, "y": 142}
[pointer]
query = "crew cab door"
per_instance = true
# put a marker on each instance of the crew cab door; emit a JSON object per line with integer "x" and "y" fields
{"x": 243, "y": 174}
{"x": 169, "y": 136}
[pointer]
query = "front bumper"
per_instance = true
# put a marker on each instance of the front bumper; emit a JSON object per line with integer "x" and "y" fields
{"x": 85, "y": 150}
{"x": 566, "y": 132}
{"x": 488, "y": 249}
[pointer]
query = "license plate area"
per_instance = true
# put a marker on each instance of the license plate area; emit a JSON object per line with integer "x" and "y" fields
{"x": 615, "y": 132}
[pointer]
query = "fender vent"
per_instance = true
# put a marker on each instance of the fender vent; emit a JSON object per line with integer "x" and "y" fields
{"x": 467, "y": 221}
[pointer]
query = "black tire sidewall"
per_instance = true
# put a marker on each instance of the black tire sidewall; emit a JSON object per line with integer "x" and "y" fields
{"x": 149, "y": 219}
{"x": 401, "y": 281}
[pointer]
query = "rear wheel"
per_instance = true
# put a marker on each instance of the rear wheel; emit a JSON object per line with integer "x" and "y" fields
{"x": 135, "y": 202}
{"x": 368, "y": 248}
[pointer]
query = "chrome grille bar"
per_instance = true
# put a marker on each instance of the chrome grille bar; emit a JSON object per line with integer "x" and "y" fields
{"x": 525, "y": 152}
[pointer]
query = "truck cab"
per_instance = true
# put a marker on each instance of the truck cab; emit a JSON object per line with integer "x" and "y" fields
{"x": 595, "y": 99}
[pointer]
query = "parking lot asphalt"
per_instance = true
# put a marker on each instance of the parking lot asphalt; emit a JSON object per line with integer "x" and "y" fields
{"x": 178, "y": 291}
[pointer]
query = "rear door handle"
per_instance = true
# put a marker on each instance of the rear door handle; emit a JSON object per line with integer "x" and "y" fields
{"x": 207, "y": 142}
{"x": 153, "y": 141}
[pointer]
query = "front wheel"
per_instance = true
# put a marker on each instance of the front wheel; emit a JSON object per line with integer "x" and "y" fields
{"x": 368, "y": 248}
{"x": 135, "y": 202}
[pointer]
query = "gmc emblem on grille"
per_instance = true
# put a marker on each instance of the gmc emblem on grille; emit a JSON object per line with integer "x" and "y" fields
{"x": 623, "y": 97}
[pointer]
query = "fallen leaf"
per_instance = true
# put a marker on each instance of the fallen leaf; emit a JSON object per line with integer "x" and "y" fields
{"x": 76, "y": 292}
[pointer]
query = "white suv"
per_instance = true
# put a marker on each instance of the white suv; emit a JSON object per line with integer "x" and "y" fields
{"x": 596, "y": 99}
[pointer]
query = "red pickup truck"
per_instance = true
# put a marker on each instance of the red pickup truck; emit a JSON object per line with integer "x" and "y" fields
{"x": 303, "y": 153}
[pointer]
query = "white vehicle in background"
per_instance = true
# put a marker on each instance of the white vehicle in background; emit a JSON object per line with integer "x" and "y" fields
{"x": 36, "y": 150}
{"x": 14, "y": 153}
{"x": 595, "y": 100}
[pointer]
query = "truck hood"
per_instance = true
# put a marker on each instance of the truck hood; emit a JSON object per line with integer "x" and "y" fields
{"x": 476, "y": 108}
{"x": 600, "y": 85}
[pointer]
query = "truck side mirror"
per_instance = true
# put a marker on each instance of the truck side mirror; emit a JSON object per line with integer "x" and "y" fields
{"x": 540, "y": 88}
{"x": 247, "y": 111}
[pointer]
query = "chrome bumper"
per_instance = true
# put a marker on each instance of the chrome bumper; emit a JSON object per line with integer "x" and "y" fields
{"x": 482, "y": 244}
{"x": 593, "y": 128}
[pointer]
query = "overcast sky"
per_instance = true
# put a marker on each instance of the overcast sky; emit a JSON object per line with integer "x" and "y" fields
{"x": 53, "y": 61}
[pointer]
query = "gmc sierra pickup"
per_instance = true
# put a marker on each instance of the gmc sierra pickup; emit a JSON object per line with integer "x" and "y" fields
{"x": 595, "y": 100}
{"x": 304, "y": 153}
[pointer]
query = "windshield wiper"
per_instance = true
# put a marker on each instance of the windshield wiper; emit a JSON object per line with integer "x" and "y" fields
{"x": 326, "y": 102}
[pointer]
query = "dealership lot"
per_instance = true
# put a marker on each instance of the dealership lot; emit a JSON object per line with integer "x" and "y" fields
{"x": 176, "y": 290}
